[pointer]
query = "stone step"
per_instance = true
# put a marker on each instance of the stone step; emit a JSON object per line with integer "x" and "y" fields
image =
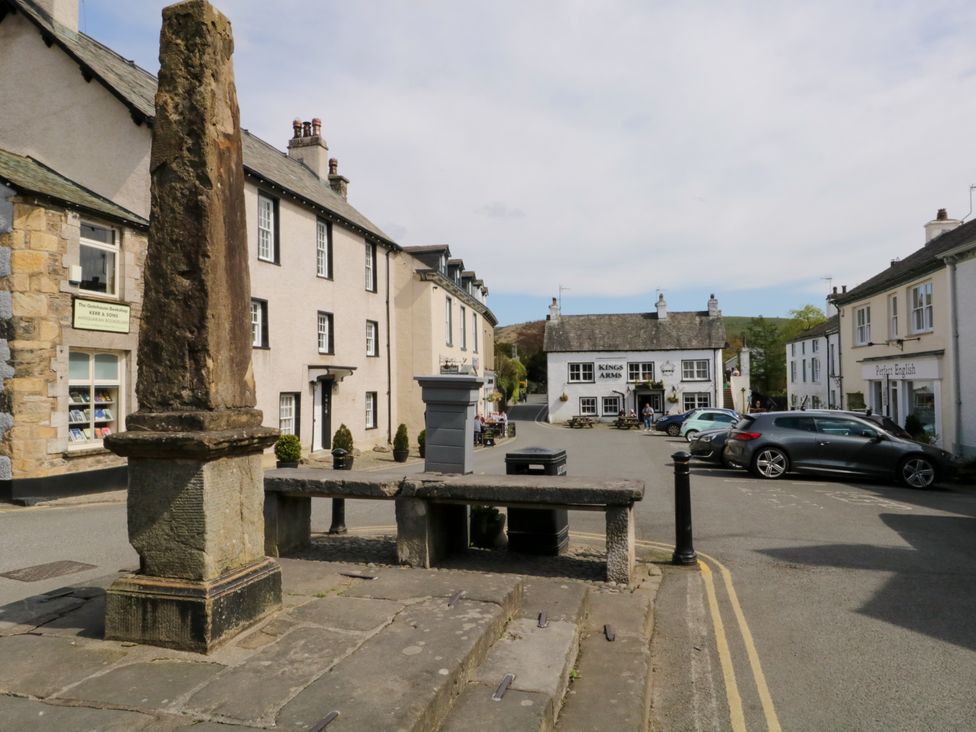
{"x": 541, "y": 660}
{"x": 611, "y": 691}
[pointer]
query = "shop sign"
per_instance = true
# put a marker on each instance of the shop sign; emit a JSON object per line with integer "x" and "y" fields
{"x": 667, "y": 369}
{"x": 609, "y": 371}
{"x": 110, "y": 317}
{"x": 903, "y": 369}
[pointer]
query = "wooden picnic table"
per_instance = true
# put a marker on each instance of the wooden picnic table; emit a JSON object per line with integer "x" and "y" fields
{"x": 577, "y": 422}
{"x": 626, "y": 422}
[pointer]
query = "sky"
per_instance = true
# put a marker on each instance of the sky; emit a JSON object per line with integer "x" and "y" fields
{"x": 605, "y": 152}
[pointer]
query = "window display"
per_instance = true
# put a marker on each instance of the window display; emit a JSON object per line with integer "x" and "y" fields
{"x": 94, "y": 381}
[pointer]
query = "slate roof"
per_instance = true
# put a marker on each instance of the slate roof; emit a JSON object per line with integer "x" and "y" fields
{"x": 915, "y": 265}
{"x": 830, "y": 325}
{"x": 136, "y": 89}
{"x": 26, "y": 175}
{"x": 634, "y": 332}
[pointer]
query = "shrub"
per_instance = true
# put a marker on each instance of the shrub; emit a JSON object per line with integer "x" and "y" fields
{"x": 288, "y": 449}
{"x": 401, "y": 441}
{"x": 422, "y": 439}
{"x": 342, "y": 439}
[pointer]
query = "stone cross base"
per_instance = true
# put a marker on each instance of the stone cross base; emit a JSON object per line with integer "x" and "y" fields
{"x": 189, "y": 615}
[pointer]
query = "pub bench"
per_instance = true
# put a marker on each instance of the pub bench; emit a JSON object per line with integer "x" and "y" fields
{"x": 431, "y": 508}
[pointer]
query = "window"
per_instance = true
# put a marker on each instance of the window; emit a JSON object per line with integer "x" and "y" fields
{"x": 370, "y": 267}
{"x": 259, "y": 323}
{"x": 814, "y": 346}
{"x": 371, "y": 410}
{"x": 830, "y": 363}
{"x": 792, "y": 349}
{"x": 792, "y": 372}
{"x": 803, "y": 363}
{"x": 611, "y": 405}
{"x": 372, "y": 349}
{"x": 323, "y": 249}
{"x": 696, "y": 370}
{"x": 587, "y": 406}
{"x": 840, "y": 427}
{"x": 448, "y": 321}
{"x": 324, "y": 328}
{"x": 893, "y": 316}
{"x": 267, "y": 228}
{"x": 815, "y": 370}
{"x": 94, "y": 389}
{"x": 463, "y": 319}
{"x": 862, "y": 325}
{"x": 815, "y": 402}
{"x": 921, "y": 298}
{"x": 697, "y": 399}
{"x": 288, "y": 413}
{"x": 643, "y": 371}
{"x": 99, "y": 249}
{"x": 474, "y": 331}
{"x": 581, "y": 372}
{"x": 803, "y": 348}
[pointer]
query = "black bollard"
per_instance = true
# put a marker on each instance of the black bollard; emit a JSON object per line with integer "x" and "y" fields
{"x": 338, "y": 504}
{"x": 684, "y": 552}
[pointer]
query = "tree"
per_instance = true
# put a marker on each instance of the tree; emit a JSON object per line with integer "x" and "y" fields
{"x": 767, "y": 356}
{"x": 802, "y": 319}
{"x": 509, "y": 373}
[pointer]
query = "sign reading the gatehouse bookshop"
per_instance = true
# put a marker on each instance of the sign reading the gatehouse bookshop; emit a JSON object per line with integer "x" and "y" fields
{"x": 106, "y": 316}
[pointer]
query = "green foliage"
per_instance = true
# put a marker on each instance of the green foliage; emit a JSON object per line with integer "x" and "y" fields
{"x": 422, "y": 439}
{"x": 768, "y": 356}
{"x": 855, "y": 400}
{"x": 802, "y": 319}
{"x": 914, "y": 427}
{"x": 535, "y": 367}
{"x": 505, "y": 349}
{"x": 342, "y": 439}
{"x": 288, "y": 449}
{"x": 401, "y": 441}
{"x": 509, "y": 372}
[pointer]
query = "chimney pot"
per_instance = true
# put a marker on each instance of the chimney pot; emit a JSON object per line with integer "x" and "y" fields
{"x": 316, "y": 126}
{"x": 843, "y": 289}
{"x": 941, "y": 215}
{"x": 306, "y": 129}
{"x": 333, "y": 166}
{"x": 296, "y": 127}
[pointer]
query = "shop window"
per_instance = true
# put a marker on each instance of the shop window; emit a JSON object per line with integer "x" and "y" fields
{"x": 587, "y": 406}
{"x": 288, "y": 413}
{"x": 99, "y": 255}
{"x": 921, "y": 403}
{"x": 94, "y": 389}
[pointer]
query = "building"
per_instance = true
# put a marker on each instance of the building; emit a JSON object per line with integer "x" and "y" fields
{"x": 444, "y": 325}
{"x": 812, "y": 367}
{"x": 600, "y": 364}
{"x": 961, "y": 265}
{"x": 323, "y": 276}
{"x": 897, "y": 341}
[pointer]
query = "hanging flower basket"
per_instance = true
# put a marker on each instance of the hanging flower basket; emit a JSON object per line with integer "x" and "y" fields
{"x": 564, "y": 397}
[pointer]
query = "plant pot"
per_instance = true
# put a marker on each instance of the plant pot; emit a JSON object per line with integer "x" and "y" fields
{"x": 487, "y": 529}
{"x": 422, "y": 450}
{"x": 342, "y": 463}
{"x": 286, "y": 464}
{"x": 401, "y": 455}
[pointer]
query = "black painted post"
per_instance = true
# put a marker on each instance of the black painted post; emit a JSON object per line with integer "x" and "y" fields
{"x": 684, "y": 552}
{"x": 338, "y": 504}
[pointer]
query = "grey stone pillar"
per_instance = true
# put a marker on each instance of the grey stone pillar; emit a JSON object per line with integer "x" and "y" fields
{"x": 195, "y": 503}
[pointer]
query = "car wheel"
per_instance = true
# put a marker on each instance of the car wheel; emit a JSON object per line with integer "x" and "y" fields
{"x": 770, "y": 463}
{"x": 690, "y": 435}
{"x": 917, "y": 471}
{"x": 724, "y": 460}
{"x": 674, "y": 430}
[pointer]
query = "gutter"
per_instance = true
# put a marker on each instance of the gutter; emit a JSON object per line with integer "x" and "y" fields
{"x": 954, "y": 325}
{"x": 389, "y": 356}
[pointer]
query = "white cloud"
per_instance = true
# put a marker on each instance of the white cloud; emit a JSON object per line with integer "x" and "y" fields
{"x": 615, "y": 147}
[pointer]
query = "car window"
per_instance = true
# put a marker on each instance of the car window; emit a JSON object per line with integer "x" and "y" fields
{"x": 804, "y": 424}
{"x": 745, "y": 423}
{"x": 844, "y": 427}
{"x": 724, "y": 418}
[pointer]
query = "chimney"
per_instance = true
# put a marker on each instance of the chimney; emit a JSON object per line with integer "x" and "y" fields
{"x": 308, "y": 146}
{"x": 62, "y": 12}
{"x": 940, "y": 225}
{"x": 713, "y": 311}
{"x": 338, "y": 183}
{"x": 662, "y": 308}
{"x": 554, "y": 311}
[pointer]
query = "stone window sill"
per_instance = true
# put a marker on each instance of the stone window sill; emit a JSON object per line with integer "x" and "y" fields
{"x": 86, "y": 451}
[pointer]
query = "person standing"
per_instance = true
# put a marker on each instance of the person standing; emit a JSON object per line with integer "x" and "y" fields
{"x": 648, "y": 413}
{"x": 477, "y": 430}
{"x": 504, "y": 421}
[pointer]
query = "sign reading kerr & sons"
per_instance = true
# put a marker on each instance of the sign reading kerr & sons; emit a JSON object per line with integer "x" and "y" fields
{"x": 97, "y": 315}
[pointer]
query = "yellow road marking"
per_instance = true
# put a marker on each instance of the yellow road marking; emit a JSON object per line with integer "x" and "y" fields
{"x": 736, "y": 715}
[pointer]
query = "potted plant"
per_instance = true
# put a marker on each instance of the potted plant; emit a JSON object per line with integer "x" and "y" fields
{"x": 401, "y": 444}
{"x": 288, "y": 451}
{"x": 673, "y": 396}
{"x": 422, "y": 443}
{"x": 564, "y": 397}
{"x": 487, "y": 527}
{"x": 342, "y": 440}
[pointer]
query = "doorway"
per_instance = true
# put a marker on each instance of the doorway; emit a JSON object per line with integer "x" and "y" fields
{"x": 322, "y": 427}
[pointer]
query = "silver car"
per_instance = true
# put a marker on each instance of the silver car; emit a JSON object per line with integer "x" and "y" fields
{"x": 775, "y": 443}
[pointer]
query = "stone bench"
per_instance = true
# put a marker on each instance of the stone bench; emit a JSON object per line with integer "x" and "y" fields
{"x": 431, "y": 508}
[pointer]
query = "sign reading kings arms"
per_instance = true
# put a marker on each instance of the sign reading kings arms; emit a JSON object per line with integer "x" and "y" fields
{"x": 606, "y": 371}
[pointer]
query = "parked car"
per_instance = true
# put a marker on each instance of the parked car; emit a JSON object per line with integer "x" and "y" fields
{"x": 671, "y": 423}
{"x": 710, "y": 445}
{"x": 707, "y": 419}
{"x": 775, "y": 443}
{"x": 886, "y": 423}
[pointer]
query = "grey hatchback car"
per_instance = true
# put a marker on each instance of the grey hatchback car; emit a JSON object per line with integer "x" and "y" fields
{"x": 774, "y": 443}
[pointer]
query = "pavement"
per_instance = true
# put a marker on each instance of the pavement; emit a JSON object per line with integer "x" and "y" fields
{"x": 360, "y": 644}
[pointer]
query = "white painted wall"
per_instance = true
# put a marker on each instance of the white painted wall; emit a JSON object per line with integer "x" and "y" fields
{"x": 966, "y": 307}
{"x": 799, "y": 391}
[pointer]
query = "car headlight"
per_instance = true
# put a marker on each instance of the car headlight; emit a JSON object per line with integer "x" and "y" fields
{"x": 705, "y": 438}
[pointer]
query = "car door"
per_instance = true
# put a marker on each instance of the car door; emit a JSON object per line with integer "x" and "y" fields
{"x": 852, "y": 446}
{"x": 797, "y": 434}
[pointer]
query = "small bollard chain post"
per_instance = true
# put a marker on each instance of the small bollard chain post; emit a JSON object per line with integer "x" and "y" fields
{"x": 684, "y": 552}
{"x": 338, "y": 504}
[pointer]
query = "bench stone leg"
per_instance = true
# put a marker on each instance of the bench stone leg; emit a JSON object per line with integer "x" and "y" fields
{"x": 620, "y": 544}
{"x": 287, "y": 523}
{"x": 428, "y": 531}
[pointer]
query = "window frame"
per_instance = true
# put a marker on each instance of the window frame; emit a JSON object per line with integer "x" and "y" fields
{"x": 272, "y": 230}
{"x": 694, "y": 363}
{"x": 893, "y": 315}
{"x": 369, "y": 267}
{"x": 463, "y": 320}
{"x": 587, "y": 412}
{"x": 862, "y": 325}
{"x": 923, "y": 312}
{"x": 329, "y": 319}
{"x": 696, "y": 400}
{"x": 323, "y": 249}
{"x": 261, "y": 338}
{"x": 792, "y": 372}
{"x": 815, "y": 370}
{"x": 94, "y": 385}
{"x": 448, "y": 320}
{"x": 375, "y": 352}
{"x": 371, "y": 414}
{"x": 642, "y": 373}
{"x": 296, "y": 416}
{"x": 474, "y": 332}
{"x": 614, "y": 411}
{"x": 115, "y": 249}
{"x": 581, "y": 367}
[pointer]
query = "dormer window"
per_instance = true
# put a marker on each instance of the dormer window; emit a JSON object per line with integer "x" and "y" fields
{"x": 443, "y": 265}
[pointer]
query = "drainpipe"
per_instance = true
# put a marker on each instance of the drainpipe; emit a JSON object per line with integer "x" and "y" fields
{"x": 389, "y": 356}
{"x": 954, "y": 324}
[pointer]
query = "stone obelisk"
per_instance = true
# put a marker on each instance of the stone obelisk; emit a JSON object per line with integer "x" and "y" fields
{"x": 195, "y": 503}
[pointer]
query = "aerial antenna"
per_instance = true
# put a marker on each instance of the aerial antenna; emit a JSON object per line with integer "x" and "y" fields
{"x": 971, "y": 189}
{"x": 561, "y": 288}
{"x": 829, "y": 280}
